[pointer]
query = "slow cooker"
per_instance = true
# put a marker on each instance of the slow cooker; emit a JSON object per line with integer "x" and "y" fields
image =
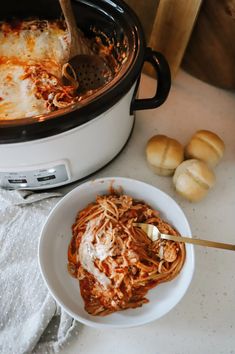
{"x": 61, "y": 147}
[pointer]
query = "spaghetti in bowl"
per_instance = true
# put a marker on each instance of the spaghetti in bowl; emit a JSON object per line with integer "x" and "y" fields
{"x": 56, "y": 236}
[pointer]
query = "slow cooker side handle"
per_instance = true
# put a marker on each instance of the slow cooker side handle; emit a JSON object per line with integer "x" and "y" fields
{"x": 162, "y": 69}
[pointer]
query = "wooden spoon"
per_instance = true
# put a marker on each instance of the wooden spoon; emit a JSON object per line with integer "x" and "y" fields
{"x": 85, "y": 67}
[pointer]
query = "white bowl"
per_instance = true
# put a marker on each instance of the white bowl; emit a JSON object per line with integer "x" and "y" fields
{"x": 56, "y": 235}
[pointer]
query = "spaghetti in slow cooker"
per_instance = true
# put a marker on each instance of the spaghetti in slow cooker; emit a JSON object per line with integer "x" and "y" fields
{"x": 115, "y": 262}
{"x": 33, "y": 55}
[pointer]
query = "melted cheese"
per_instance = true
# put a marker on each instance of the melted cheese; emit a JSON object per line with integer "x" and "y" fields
{"x": 49, "y": 43}
{"x": 17, "y": 98}
{"x": 20, "y": 49}
{"x": 88, "y": 253}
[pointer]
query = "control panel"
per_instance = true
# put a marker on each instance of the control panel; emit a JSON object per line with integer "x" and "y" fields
{"x": 39, "y": 177}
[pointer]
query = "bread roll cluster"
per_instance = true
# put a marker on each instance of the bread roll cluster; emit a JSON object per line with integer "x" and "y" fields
{"x": 193, "y": 177}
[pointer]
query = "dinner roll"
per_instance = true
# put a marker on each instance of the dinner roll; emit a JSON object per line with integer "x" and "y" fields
{"x": 193, "y": 178}
{"x": 164, "y": 154}
{"x": 206, "y": 146}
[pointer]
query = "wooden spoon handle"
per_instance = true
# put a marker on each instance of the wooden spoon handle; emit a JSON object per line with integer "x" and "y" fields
{"x": 72, "y": 27}
{"x": 199, "y": 242}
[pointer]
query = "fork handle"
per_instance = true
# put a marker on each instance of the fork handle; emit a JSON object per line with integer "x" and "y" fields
{"x": 199, "y": 242}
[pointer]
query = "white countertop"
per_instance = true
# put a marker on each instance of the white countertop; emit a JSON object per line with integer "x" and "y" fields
{"x": 204, "y": 320}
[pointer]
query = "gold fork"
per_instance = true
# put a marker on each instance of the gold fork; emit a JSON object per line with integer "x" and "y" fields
{"x": 154, "y": 234}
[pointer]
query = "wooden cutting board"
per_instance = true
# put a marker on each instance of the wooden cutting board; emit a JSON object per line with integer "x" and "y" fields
{"x": 168, "y": 25}
{"x": 210, "y": 55}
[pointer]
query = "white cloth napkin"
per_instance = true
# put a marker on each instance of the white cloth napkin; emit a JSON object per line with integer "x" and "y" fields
{"x": 30, "y": 319}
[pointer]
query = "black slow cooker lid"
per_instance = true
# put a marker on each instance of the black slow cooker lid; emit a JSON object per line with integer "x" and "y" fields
{"x": 116, "y": 19}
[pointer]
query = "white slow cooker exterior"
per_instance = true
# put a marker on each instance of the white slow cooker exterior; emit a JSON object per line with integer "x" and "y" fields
{"x": 63, "y": 158}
